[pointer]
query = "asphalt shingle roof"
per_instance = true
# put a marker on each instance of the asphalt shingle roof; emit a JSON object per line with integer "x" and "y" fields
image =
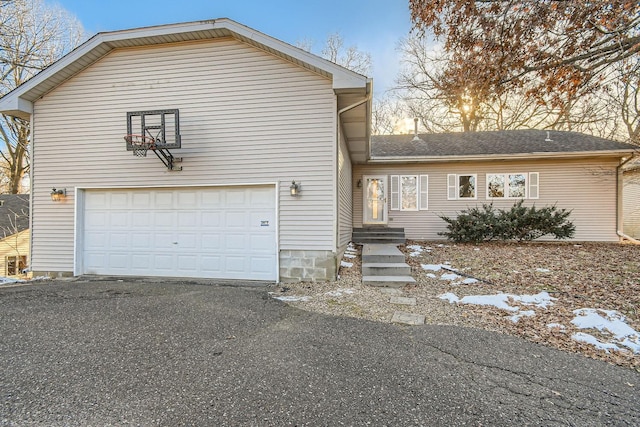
{"x": 507, "y": 142}
{"x": 14, "y": 213}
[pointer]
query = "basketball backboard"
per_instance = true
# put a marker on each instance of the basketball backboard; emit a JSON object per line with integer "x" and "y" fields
{"x": 163, "y": 126}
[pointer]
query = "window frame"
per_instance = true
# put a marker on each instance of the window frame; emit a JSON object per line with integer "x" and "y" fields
{"x": 531, "y": 189}
{"x": 421, "y": 189}
{"x": 456, "y": 186}
{"x": 16, "y": 260}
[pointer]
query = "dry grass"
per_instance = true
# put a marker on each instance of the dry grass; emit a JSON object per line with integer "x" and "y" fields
{"x": 588, "y": 275}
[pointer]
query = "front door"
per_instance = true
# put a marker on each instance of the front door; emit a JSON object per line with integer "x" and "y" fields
{"x": 375, "y": 199}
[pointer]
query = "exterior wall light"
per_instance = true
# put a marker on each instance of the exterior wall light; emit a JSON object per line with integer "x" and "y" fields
{"x": 58, "y": 195}
{"x": 295, "y": 188}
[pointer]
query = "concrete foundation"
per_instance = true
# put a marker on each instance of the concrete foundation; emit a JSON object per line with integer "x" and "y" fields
{"x": 308, "y": 266}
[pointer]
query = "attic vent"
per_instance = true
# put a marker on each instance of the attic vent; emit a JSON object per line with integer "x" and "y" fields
{"x": 548, "y": 138}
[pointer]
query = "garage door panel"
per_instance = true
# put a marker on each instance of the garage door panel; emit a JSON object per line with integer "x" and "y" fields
{"x": 205, "y": 232}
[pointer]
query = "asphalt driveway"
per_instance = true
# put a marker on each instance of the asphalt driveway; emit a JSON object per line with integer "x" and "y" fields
{"x": 153, "y": 352}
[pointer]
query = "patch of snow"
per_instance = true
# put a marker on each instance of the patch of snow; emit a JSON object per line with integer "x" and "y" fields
{"x": 7, "y": 280}
{"x": 556, "y": 326}
{"x": 501, "y": 300}
{"x": 431, "y": 267}
{"x": 340, "y": 291}
{"x": 608, "y": 321}
{"x": 542, "y": 270}
{"x": 346, "y": 264}
{"x": 293, "y": 298}
{"x": 350, "y": 256}
{"x": 449, "y": 276}
{"x": 476, "y": 249}
{"x": 542, "y": 299}
{"x": 431, "y": 275}
{"x": 449, "y": 297}
{"x": 469, "y": 281}
{"x": 590, "y": 339}
{"x": 525, "y": 313}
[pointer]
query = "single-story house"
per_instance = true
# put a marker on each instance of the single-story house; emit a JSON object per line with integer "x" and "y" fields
{"x": 209, "y": 149}
{"x": 14, "y": 234}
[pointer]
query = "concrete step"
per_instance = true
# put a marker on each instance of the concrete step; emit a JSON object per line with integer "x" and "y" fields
{"x": 378, "y": 235}
{"x": 386, "y": 269}
{"x": 379, "y": 239}
{"x": 388, "y": 281}
{"x": 374, "y": 253}
{"x": 378, "y": 229}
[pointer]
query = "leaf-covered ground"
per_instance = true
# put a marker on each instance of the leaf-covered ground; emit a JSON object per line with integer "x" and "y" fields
{"x": 588, "y": 275}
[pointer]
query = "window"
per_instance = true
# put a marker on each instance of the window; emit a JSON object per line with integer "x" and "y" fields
{"x": 15, "y": 264}
{"x": 409, "y": 192}
{"x": 461, "y": 187}
{"x": 512, "y": 185}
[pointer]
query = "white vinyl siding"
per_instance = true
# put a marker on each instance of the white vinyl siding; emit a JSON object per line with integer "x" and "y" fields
{"x": 345, "y": 203}
{"x": 246, "y": 118}
{"x": 588, "y": 189}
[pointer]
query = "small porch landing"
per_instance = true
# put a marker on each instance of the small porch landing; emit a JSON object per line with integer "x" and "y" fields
{"x": 378, "y": 234}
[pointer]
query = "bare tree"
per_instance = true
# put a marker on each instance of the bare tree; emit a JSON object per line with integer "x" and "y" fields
{"x": 335, "y": 51}
{"x": 34, "y": 35}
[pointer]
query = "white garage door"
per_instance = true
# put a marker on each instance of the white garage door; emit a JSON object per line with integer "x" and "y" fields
{"x": 227, "y": 233}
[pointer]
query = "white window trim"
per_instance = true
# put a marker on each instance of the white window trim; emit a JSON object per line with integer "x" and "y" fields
{"x": 422, "y": 193}
{"x": 528, "y": 186}
{"x": 457, "y": 186}
{"x": 505, "y": 175}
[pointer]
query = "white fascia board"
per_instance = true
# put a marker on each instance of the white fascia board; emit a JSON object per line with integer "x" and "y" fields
{"x": 493, "y": 157}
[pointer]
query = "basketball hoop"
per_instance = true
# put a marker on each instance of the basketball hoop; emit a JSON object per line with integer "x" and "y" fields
{"x": 140, "y": 144}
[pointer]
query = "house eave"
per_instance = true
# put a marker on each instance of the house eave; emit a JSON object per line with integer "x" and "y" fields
{"x": 494, "y": 157}
{"x": 19, "y": 102}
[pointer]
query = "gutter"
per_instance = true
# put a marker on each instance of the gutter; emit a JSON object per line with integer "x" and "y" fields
{"x": 490, "y": 157}
{"x": 629, "y": 238}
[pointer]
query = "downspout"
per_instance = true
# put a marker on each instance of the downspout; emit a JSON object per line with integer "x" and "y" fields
{"x": 619, "y": 201}
{"x": 336, "y": 225}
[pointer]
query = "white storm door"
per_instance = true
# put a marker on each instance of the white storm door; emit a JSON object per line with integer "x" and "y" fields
{"x": 375, "y": 200}
{"x": 226, "y": 233}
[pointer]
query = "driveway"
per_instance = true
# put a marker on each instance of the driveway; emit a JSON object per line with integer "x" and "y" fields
{"x": 153, "y": 352}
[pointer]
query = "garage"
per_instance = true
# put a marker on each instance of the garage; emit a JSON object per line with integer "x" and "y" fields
{"x": 213, "y": 232}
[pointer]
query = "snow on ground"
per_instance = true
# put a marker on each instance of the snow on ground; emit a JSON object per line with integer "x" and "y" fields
{"x": 609, "y": 322}
{"x": 340, "y": 291}
{"x": 606, "y": 321}
{"x": 346, "y": 264}
{"x": 291, "y": 298}
{"x": 502, "y": 301}
{"x": 416, "y": 250}
{"x": 8, "y": 280}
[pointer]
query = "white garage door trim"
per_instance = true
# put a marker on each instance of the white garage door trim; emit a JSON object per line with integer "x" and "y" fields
{"x": 180, "y": 242}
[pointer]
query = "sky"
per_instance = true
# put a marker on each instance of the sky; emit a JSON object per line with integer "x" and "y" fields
{"x": 373, "y": 26}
